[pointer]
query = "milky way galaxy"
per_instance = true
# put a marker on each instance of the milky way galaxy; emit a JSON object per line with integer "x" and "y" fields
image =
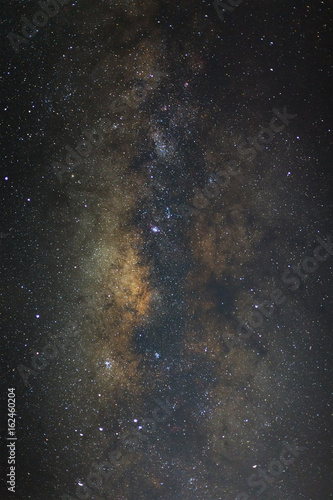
{"x": 166, "y": 248}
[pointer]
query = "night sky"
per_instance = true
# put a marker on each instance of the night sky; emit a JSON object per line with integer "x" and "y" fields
{"x": 167, "y": 249}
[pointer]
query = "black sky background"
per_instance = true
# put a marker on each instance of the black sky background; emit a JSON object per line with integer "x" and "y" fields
{"x": 264, "y": 55}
